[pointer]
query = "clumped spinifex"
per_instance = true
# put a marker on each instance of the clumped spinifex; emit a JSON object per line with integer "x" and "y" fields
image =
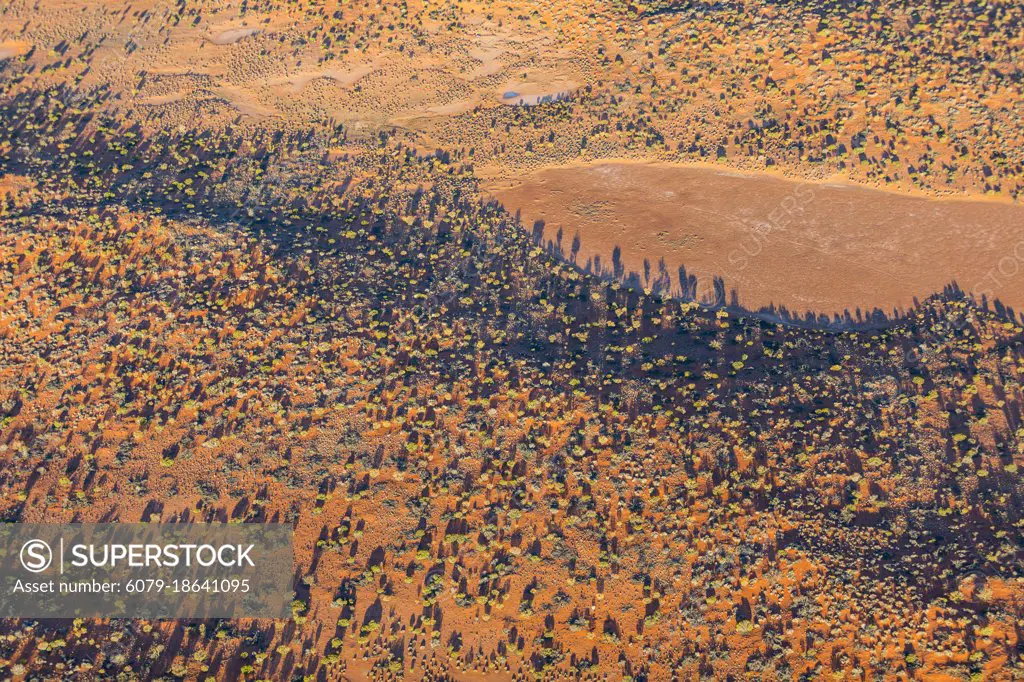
{"x": 495, "y": 463}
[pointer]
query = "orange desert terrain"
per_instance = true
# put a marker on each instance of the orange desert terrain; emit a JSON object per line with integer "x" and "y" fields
{"x": 605, "y": 341}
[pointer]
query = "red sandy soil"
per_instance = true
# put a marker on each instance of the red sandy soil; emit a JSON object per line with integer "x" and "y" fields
{"x": 818, "y": 247}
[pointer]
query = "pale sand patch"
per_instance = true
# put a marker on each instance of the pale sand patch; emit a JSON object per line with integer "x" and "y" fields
{"x": 13, "y": 48}
{"x": 533, "y": 92}
{"x": 343, "y": 77}
{"x": 453, "y": 108}
{"x": 487, "y": 50}
{"x": 811, "y": 247}
{"x": 244, "y": 102}
{"x": 233, "y": 35}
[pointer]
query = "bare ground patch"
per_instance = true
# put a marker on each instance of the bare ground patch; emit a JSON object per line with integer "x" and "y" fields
{"x": 810, "y": 247}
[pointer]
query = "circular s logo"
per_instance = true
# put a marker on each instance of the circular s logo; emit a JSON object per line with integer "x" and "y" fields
{"x": 36, "y": 556}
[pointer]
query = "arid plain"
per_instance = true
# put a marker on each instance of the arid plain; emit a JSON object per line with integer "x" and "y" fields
{"x": 800, "y": 101}
{"x": 722, "y": 416}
